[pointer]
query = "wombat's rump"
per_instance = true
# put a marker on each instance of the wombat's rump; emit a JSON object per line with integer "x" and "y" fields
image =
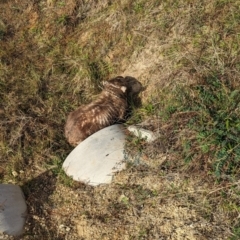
{"x": 109, "y": 108}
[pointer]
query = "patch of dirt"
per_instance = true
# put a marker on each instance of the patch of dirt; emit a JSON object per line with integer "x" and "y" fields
{"x": 143, "y": 202}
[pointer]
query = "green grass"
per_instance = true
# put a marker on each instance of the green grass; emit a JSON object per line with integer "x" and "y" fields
{"x": 236, "y": 233}
{"x": 54, "y": 56}
{"x": 216, "y": 124}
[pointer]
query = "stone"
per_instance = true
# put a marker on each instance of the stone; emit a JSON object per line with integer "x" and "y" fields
{"x": 13, "y": 210}
{"x": 96, "y": 159}
{"x": 142, "y": 133}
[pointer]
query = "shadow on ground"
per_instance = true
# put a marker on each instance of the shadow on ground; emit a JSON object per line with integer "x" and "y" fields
{"x": 38, "y": 191}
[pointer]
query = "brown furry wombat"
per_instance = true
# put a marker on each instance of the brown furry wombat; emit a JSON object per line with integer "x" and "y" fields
{"x": 110, "y": 107}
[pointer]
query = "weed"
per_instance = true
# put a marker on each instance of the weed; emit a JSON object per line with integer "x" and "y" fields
{"x": 63, "y": 20}
{"x": 142, "y": 233}
{"x": 149, "y": 108}
{"x": 55, "y": 166}
{"x": 142, "y": 194}
{"x": 61, "y": 3}
{"x": 236, "y": 233}
{"x": 138, "y": 7}
{"x": 125, "y": 200}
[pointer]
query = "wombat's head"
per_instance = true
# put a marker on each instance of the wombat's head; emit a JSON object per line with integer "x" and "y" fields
{"x": 133, "y": 85}
{"x": 128, "y": 85}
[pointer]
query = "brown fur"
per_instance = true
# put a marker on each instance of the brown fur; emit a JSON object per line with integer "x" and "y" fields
{"x": 109, "y": 108}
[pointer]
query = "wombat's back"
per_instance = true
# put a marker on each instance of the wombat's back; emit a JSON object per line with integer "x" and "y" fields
{"x": 109, "y": 108}
{"x": 88, "y": 119}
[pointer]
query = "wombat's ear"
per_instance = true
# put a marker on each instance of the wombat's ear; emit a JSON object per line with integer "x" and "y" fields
{"x": 123, "y": 88}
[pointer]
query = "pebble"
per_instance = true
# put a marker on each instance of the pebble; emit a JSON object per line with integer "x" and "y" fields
{"x": 142, "y": 133}
{"x": 14, "y": 173}
{"x": 68, "y": 229}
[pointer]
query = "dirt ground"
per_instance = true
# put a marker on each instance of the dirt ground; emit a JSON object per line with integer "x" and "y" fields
{"x": 143, "y": 202}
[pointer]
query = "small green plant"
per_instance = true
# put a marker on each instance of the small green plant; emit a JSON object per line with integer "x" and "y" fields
{"x": 64, "y": 179}
{"x": 63, "y": 19}
{"x": 138, "y": 7}
{"x": 236, "y": 233}
{"x": 125, "y": 200}
{"x": 61, "y": 3}
{"x": 55, "y": 165}
{"x": 149, "y": 108}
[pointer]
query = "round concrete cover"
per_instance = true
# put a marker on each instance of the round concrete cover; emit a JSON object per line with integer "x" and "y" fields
{"x": 13, "y": 210}
{"x": 96, "y": 159}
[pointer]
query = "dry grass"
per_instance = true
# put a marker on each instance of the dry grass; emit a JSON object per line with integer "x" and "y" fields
{"x": 53, "y": 56}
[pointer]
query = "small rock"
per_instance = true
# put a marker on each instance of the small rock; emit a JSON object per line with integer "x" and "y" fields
{"x": 12, "y": 210}
{"x": 96, "y": 159}
{"x": 142, "y": 133}
{"x": 14, "y": 173}
{"x": 61, "y": 226}
{"x": 68, "y": 229}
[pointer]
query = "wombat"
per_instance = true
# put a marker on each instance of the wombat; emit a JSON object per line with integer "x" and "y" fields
{"x": 110, "y": 107}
